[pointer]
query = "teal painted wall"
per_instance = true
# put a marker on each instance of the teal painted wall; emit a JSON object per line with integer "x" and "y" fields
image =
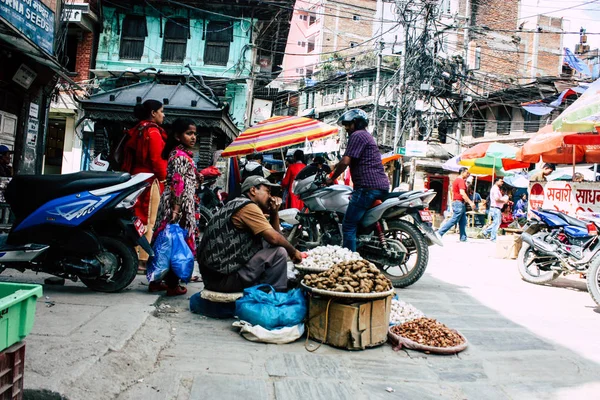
{"x": 238, "y": 66}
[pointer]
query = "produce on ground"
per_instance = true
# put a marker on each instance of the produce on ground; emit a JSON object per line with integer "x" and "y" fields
{"x": 403, "y": 312}
{"x": 428, "y": 332}
{"x": 323, "y": 257}
{"x": 359, "y": 276}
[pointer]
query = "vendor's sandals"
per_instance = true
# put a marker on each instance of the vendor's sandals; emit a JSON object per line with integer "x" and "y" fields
{"x": 176, "y": 291}
{"x": 196, "y": 278}
{"x": 157, "y": 287}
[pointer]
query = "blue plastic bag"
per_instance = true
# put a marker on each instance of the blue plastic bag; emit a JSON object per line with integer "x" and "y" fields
{"x": 158, "y": 266}
{"x": 182, "y": 258}
{"x": 271, "y": 309}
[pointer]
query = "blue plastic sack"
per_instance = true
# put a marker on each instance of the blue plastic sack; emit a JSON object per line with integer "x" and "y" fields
{"x": 182, "y": 258}
{"x": 158, "y": 266}
{"x": 271, "y": 309}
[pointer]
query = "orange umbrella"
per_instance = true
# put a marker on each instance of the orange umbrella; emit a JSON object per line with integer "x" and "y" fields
{"x": 558, "y": 147}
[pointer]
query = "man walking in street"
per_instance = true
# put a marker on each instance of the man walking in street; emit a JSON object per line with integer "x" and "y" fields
{"x": 497, "y": 201}
{"x": 370, "y": 181}
{"x": 233, "y": 255}
{"x": 459, "y": 209}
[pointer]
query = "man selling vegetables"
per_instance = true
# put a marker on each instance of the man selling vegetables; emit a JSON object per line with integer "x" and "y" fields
{"x": 241, "y": 248}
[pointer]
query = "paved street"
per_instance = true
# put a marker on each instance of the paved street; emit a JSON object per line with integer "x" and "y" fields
{"x": 526, "y": 342}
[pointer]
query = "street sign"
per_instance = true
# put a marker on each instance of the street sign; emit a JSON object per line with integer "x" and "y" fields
{"x": 416, "y": 148}
{"x": 402, "y": 151}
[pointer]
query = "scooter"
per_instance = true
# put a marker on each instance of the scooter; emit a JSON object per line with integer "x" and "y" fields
{"x": 76, "y": 226}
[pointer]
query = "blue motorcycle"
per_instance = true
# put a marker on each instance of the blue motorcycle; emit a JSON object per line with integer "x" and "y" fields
{"x": 76, "y": 226}
{"x": 555, "y": 244}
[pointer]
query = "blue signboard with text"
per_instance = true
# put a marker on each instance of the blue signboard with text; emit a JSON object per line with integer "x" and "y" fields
{"x": 33, "y": 18}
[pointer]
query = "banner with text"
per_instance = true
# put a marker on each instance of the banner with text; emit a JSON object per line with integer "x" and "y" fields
{"x": 567, "y": 197}
{"x": 33, "y": 18}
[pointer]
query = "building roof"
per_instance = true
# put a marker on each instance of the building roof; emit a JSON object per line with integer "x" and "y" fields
{"x": 181, "y": 100}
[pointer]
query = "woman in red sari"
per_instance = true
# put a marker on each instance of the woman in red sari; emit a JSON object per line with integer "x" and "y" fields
{"x": 294, "y": 169}
{"x": 143, "y": 153}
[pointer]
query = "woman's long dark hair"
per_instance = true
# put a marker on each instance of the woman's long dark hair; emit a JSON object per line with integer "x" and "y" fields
{"x": 180, "y": 125}
{"x": 143, "y": 111}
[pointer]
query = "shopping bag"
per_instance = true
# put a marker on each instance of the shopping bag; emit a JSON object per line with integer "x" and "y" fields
{"x": 158, "y": 266}
{"x": 256, "y": 333}
{"x": 182, "y": 258}
{"x": 271, "y": 309}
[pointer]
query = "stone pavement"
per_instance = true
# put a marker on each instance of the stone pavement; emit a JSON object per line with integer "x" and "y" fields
{"x": 526, "y": 342}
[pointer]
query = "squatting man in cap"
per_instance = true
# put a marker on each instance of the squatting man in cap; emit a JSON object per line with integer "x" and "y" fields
{"x": 241, "y": 248}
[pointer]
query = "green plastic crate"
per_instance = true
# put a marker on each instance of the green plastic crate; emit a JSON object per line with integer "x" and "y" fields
{"x": 17, "y": 311}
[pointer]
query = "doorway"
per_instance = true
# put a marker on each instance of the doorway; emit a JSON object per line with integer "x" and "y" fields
{"x": 55, "y": 143}
{"x": 439, "y": 184}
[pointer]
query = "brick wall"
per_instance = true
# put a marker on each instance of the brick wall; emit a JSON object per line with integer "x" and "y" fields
{"x": 340, "y": 29}
{"x": 85, "y": 48}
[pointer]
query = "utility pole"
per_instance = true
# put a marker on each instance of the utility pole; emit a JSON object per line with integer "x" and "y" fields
{"x": 377, "y": 89}
{"x": 398, "y": 111}
{"x": 251, "y": 80}
{"x": 465, "y": 71}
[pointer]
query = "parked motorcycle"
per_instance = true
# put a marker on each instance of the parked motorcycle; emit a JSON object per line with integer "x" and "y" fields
{"x": 394, "y": 234}
{"x": 76, "y": 226}
{"x": 555, "y": 244}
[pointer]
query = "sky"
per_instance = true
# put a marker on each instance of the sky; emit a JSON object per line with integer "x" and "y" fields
{"x": 577, "y": 14}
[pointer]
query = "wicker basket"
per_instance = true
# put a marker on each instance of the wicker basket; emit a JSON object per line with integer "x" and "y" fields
{"x": 331, "y": 293}
{"x": 400, "y": 341}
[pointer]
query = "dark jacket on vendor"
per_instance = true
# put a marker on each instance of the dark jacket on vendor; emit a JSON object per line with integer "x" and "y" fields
{"x": 241, "y": 248}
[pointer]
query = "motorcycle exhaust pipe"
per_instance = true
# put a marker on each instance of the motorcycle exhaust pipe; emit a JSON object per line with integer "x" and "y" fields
{"x": 540, "y": 245}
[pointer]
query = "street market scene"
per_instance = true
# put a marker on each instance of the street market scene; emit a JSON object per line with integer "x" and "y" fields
{"x": 357, "y": 199}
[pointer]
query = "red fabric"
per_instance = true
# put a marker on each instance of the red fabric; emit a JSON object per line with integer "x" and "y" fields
{"x": 582, "y": 139}
{"x": 143, "y": 153}
{"x": 509, "y": 164}
{"x": 477, "y": 151}
{"x": 292, "y": 200}
{"x": 459, "y": 183}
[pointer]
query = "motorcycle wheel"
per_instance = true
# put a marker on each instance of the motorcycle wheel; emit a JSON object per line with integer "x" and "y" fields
{"x": 418, "y": 251}
{"x": 531, "y": 273}
{"x": 593, "y": 279}
{"x": 126, "y": 269}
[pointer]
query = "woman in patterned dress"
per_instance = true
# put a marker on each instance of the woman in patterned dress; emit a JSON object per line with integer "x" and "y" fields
{"x": 178, "y": 201}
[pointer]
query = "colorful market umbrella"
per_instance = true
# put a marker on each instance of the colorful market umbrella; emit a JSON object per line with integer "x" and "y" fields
{"x": 493, "y": 155}
{"x": 583, "y": 115}
{"x": 278, "y": 132}
{"x": 485, "y": 166}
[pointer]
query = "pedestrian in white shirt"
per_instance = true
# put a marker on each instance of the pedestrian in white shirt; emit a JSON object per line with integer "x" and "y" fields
{"x": 497, "y": 201}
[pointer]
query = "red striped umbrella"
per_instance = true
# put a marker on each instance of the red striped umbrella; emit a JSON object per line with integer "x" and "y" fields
{"x": 278, "y": 132}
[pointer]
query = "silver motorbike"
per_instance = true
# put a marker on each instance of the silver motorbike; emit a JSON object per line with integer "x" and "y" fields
{"x": 394, "y": 234}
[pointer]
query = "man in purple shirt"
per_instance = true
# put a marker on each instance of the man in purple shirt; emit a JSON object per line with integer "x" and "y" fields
{"x": 370, "y": 181}
{"x": 497, "y": 201}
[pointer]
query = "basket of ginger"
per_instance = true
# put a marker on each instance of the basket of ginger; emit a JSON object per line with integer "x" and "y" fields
{"x": 427, "y": 335}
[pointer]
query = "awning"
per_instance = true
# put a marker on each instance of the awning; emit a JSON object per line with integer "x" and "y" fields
{"x": 180, "y": 101}
{"x": 24, "y": 45}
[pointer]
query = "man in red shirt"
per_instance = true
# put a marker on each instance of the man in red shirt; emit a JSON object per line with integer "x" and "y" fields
{"x": 459, "y": 210}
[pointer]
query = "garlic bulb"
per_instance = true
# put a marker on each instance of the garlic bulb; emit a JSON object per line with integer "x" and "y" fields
{"x": 323, "y": 257}
{"x": 402, "y": 312}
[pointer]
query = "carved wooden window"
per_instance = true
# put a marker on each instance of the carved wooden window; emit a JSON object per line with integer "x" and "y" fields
{"x": 177, "y": 31}
{"x": 219, "y": 36}
{"x": 133, "y": 36}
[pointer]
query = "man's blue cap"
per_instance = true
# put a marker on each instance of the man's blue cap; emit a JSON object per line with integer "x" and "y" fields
{"x": 5, "y": 149}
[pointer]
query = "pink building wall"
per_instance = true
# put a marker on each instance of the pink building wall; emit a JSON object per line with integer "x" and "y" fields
{"x": 305, "y": 30}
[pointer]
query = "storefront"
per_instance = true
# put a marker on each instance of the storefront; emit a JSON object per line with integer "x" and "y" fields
{"x": 28, "y": 77}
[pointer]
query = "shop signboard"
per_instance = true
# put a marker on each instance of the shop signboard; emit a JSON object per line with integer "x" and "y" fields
{"x": 416, "y": 148}
{"x": 570, "y": 198}
{"x": 32, "y": 18}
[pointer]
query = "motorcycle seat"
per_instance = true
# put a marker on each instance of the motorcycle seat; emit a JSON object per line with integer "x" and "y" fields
{"x": 26, "y": 193}
{"x": 568, "y": 219}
